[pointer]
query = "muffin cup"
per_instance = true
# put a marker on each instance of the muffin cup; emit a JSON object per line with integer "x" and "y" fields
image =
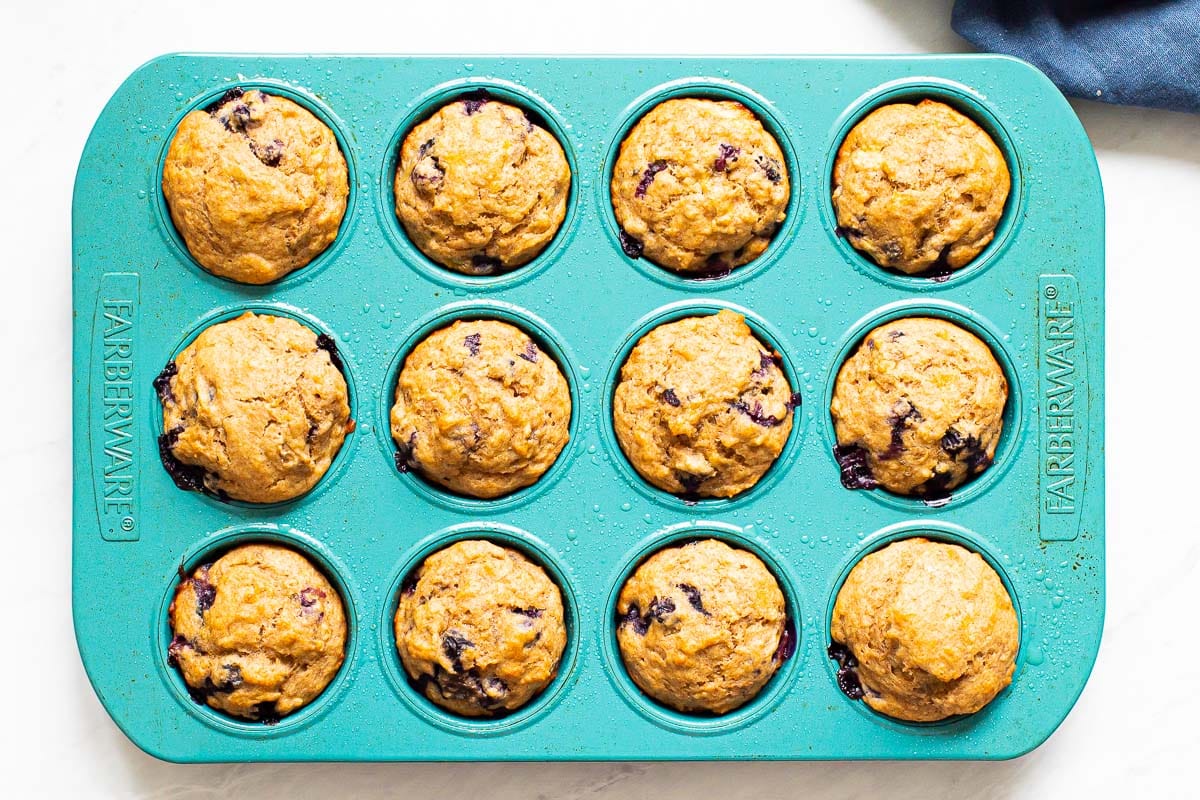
{"x": 548, "y": 341}
{"x": 211, "y": 548}
{"x": 775, "y": 689}
{"x": 936, "y": 531}
{"x": 1012, "y": 437}
{"x": 772, "y": 121}
{"x": 319, "y": 110}
{"x": 424, "y": 106}
{"x": 770, "y": 337}
{"x": 226, "y": 313}
{"x": 968, "y": 103}
{"x": 541, "y": 704}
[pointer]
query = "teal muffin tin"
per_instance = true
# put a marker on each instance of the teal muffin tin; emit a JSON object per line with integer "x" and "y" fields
{"x": 1035, "y": 295}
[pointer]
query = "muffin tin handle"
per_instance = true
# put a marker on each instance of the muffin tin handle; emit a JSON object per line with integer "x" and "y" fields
{"x": 1063, "y": 413}
{"x": 115, "y": 397}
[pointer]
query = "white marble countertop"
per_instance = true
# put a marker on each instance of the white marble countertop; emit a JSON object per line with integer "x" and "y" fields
{"x": 1133, "y": 732}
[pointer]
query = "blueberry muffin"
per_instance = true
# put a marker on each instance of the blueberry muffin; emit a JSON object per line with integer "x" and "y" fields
{"x": 480, "y": 628}
{"x": 258, "y": 633}
{"x": 702, "y": 627}
{"x": 480, "y": 188}
{"x": 256, "y": 186}
{"x": 699, "y": 186}
{"x": 702, "y": 407}
{"x": 924, "y": 631}
{"x": 480, "y": 409}
{"x": 254, "y": 409}
{"x": 919, "y": 186}
{"x": 918, "y": 409}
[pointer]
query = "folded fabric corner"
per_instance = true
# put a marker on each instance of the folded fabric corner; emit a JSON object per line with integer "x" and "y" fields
{"x": 1140, "y": 53}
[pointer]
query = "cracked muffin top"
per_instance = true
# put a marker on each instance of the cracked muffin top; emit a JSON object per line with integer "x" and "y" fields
{"x": 702, "y": 626}
{"x": 256, "y": 186}
{"x": 254, "y": 409}
{"x": 480, "y": 628}
{"x": 702, "y": 407}
{"x": 919, "y": 187}
{"x": 918, "y": 408}
{"x": 258, "y": 633}
{"x": 480, "y": 409}
{"x": 699, "y": 186}
{"x": 929, "y": 628}
{"x": 480, "y": 188}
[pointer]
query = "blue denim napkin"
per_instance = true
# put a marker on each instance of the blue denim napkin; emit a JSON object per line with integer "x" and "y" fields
{"x": 1141, "y": 53}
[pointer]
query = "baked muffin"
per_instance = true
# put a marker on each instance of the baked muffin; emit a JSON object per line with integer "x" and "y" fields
{"x": 480, "y": 409}
{"x": 258, "y": 633}
{"x": 256, "y": 186}
{"x": 702, "y": 407}
{"x": 918, "y": 409}
{"x": 480, "y": 628}
{"x": 699, "y": 186}
{"x": 929, "y": 628}
{"x": 480, "y": 188}
{"x": 919, "y": 186}
{"x": 702, "y": 627}
{"x": 254, "y": 409}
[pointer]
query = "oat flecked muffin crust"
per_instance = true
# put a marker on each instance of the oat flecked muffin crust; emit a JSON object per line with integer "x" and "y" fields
{"x": 699, "y": 186}
{"x": 702, "y": 627}
{"x": 256, "y": 186}
{"x": 919, "y": 186}
{"x": 918, "y": 408}
{"x": 254, "y": 409}
{"x": 480, "y": 628}
{"x": 480, "y": 188}
{"x": 931, "y": 627}
{"x": 258, "y": 633}
{"x": 702, "y": 407}
{"x": 480, "y": 409}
